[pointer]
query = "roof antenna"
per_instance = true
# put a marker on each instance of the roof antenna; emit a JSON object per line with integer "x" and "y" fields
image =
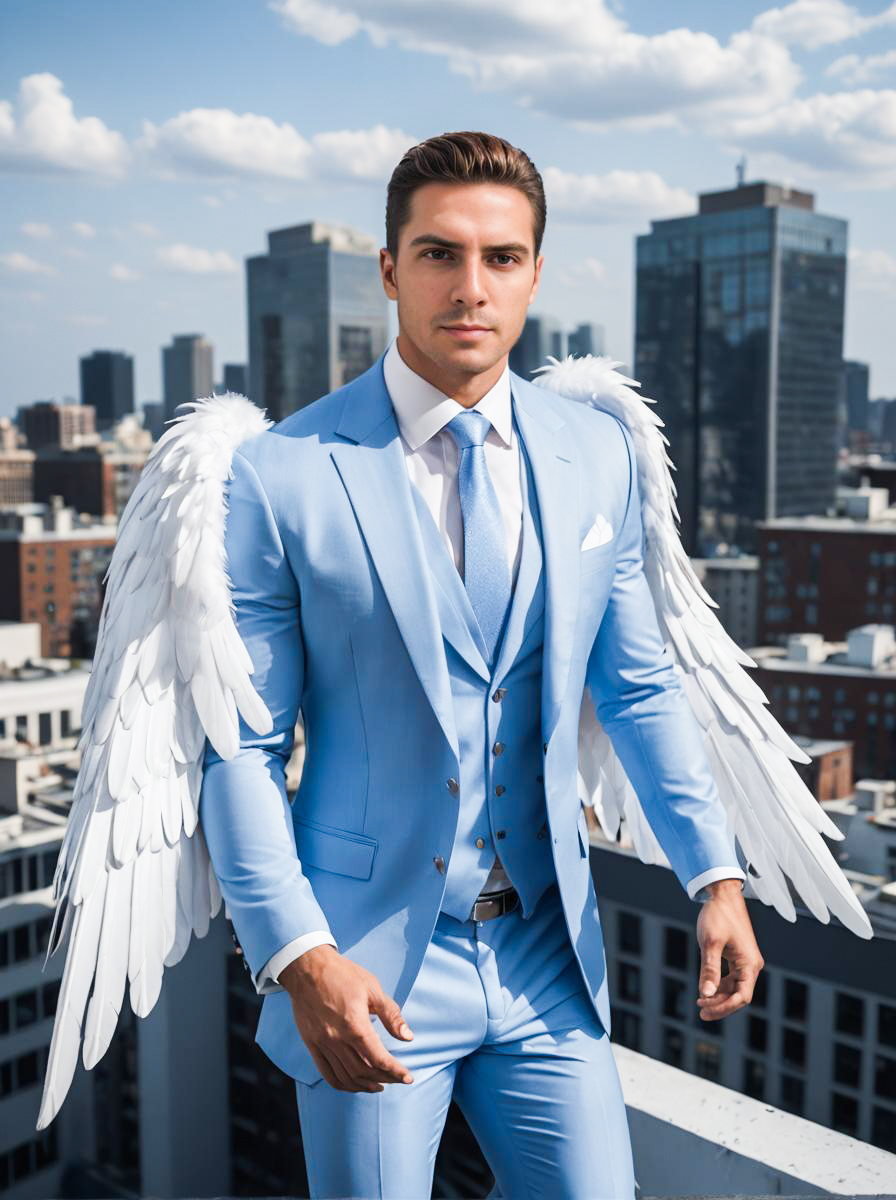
{"x": 741, "y": 170}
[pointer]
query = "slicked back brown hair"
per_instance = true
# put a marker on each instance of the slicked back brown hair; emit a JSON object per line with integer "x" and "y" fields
{"x": 462, "y": 157}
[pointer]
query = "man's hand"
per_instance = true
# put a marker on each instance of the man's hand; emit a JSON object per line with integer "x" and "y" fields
{"x": 332, "y": 998}
{"x": 724, "y": 930}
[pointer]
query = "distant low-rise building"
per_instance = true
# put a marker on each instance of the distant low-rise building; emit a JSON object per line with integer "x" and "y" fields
{"x": 733, "y": 582}
{"x": 837, "y": 690}
{"x": 828, "y": 574}
{"x": 46, "y": 423}
{"x": 52, "y": 564}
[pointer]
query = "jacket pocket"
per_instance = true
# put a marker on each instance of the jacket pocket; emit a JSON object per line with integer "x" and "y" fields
{"x": 336, "y": 850}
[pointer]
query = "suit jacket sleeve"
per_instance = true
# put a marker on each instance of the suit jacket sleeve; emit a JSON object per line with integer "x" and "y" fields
{"x": 640, "y": 702}
{"x": 244, "y": 811}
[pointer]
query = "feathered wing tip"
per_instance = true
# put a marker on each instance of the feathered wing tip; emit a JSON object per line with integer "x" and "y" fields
{"x": 134, "y": 880}
{"x": 774, "y": 817}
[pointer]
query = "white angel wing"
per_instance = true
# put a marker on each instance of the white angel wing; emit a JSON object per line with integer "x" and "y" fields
{"x": 134, "y": 879}
{"x": 774, "y": 817}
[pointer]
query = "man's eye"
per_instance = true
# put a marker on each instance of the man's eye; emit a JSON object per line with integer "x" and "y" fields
{"x": 435, "y": 251}
{"x": 510, "y": 256}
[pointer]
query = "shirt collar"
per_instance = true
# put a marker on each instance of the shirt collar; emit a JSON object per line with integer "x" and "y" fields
{"x": 422, "y": 410}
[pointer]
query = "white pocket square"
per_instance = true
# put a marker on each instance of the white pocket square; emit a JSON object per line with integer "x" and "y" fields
{"x": 601, "y": 531}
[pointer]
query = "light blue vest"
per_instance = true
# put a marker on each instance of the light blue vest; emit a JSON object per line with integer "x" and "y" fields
{"x": 497, "y": 709}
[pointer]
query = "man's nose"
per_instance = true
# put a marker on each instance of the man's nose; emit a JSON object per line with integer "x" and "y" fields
{"x": 469, "y": 284}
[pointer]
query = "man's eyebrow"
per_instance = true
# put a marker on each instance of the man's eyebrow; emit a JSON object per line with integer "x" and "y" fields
{"x": 433, "y": 239}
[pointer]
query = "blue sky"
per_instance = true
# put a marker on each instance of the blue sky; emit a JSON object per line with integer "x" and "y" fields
{"x": 148, "y": 148}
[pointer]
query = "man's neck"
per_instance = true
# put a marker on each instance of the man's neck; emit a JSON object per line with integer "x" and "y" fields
{"x": 463, "y": 387}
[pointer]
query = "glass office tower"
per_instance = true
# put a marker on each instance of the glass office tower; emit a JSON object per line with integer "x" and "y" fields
{"x": 739, "y": 338}
{"x": 107, "y": 385}
{"x": 317, "y": 314}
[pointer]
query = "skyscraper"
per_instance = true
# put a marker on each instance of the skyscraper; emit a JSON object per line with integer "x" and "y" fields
{"x": 855, "y": 386}
{"x": 542, "y": 335}
{"x": 317, "y": 314}
{"x": 187, "y": 371}
{"x": 585, "y": 339}
{"x": 739, "y": 338}
{"x": 107, "y": 385}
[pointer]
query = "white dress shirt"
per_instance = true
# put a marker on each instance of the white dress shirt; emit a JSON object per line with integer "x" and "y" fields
{"x": 432, "y": 457}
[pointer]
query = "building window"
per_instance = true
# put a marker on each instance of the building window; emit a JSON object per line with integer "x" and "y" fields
{"x": 676, "y": 948}
{"x": 885, "y": 1077}
{"x": 754, "y": 1078}
{"x": 45, "y": 728}
{"x": 673, "y": 997}
{"x": 796, "y": 1000}
{"x": 883, "y": 1128}
{"x": 757, "y": 1034}
{"x": 673, "y": 1046}
{"x": 629, "y": 932}
{"x": 708, "y": 1058}
{"x": 627, "y": 1028}
{"x": 886, "y": 1024}
{"x": 793, "y": 1046}
{"x": 850, "y": 1014}
{"x": 847, "y": 1064}
{"x": 760, "y": 991}
{"x": 844, "y": 1114}
{"x": 630, "y": 982}
{"x": 793, "y": 1093}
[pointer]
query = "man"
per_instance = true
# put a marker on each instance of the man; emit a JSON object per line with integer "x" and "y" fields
{"x": 412, "y": 570}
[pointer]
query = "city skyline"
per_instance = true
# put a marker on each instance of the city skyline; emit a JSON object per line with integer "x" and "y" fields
{"x": 134, "y": 207}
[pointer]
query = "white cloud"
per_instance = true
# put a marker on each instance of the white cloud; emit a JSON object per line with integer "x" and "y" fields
{"x": 82, "y": 229}
{"x": 813, "y": 23}
{"x": 853, "y": 133}
{"x": 218, "y": 142}
{"x": 874, "y": 270}
{"x": 853, "y": 69}
{"x": 616, "y": 196}
{"x": 36, "y": 229}
{"x": 123, "y": 273}
{"x": 24, "y": 264}
{"x": 572, "y": 58}
{"x": 191, "y": 260}
{"x": 43, "y": 134}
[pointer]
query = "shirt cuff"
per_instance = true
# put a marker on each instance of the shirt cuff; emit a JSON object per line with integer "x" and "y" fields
{"x": 267, "y": 976}
{"x": 696, "y": 885}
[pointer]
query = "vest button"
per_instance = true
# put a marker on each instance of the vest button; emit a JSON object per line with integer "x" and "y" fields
{"x": 499, "y": 695}
{"x": 453, "y": 786}
{"x": 440, "y": 864}
{"x": 498, "y": 748}
{"x": 500, "y": 833}
{"x": 480, "y": 842}
{"x": 500, "y": 789}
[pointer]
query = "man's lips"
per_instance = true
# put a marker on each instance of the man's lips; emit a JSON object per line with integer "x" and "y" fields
{"x": 466, "y": 330}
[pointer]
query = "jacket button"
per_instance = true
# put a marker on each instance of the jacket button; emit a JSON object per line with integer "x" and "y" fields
{"x": 500, "y": 833}
{"x": 500, "y": 789}
{"x": 453, "y": 786}
{"x": 499, "y": 695}
{"x": 440, "y": 864}
{"x": 498, "y": 748}
{"x": 480, "y": 842}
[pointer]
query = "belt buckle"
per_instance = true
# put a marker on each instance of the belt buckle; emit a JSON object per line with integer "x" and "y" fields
{"x": 485, "y": 910}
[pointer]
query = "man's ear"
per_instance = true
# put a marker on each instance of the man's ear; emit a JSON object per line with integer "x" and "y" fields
{"x": 537, "y": 278}
{"x": 387, "y": 274}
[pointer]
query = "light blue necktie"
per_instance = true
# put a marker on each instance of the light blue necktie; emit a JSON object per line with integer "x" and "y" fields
{"x": 486, "y": 573}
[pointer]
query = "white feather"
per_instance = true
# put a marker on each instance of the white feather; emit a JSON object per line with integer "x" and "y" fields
{"x": 773, "y": 816}
{"x": 134, "y": 880}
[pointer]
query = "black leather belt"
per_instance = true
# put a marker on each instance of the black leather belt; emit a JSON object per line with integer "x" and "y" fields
{"x": 496, "y": 905}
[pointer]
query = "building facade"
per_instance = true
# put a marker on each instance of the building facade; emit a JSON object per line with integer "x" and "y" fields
{"x": 317, "y": 314}
{"x": 187, "y": 371}
{"x": 107, "y": 385}
{"x": 739, "y": 339}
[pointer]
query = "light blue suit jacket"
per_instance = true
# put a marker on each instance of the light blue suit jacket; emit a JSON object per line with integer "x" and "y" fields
{"x": 335, "y": 602}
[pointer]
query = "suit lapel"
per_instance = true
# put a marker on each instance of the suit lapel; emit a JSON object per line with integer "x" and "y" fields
{"x": 551, "y": 451}
{"x": 371, "y": 465}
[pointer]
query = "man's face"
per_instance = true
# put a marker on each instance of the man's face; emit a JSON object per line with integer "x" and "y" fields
{"x": 465, "y": 258}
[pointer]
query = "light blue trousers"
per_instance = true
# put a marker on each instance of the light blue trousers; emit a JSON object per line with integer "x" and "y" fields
{"x": 502, "y": 1022}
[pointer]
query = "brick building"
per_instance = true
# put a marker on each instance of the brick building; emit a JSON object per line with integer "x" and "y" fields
{"x": 828, "y": 574}
{"x": 52, "y": 567}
